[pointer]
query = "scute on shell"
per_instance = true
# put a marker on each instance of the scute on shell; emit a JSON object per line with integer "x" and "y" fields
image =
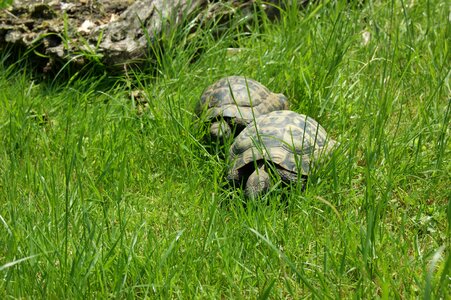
{"x": 290, "y": 140}
{"x": 240, "y": 98}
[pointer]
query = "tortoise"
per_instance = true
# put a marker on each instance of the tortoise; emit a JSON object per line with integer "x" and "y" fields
{"x": 284, "y": 142}
{"x": 231, "y": 103}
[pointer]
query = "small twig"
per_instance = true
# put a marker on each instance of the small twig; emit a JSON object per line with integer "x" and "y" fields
{"x": 10, "y": 13}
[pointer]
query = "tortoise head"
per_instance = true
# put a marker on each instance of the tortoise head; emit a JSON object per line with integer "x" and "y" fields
{"x": 220, "y": 130}
{"x": 258, "y": 182}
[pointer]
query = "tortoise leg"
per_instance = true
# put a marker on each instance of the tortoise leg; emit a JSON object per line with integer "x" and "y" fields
{"x": 258, "y": 182}
{"x": 286, "y": 176}
{"x": 220, "y": 130}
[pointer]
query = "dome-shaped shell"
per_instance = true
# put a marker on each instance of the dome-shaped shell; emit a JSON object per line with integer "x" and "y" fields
{"x": 239, "y": 98}
{"x": 285, "y": 138}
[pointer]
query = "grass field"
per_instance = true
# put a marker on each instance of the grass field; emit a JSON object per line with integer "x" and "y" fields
{"x": 97, "y": 201}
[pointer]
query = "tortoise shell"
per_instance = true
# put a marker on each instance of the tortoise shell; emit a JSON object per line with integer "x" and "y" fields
{"x": 238, "y": 100}
{"x": 290, "y": 141}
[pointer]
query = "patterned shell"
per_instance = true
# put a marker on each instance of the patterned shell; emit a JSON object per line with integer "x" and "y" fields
{"x": 287, "y": 139}
{"x": 240, "y": 98}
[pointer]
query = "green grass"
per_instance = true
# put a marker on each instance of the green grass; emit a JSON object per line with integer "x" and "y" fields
{"x": 97, "y": 202}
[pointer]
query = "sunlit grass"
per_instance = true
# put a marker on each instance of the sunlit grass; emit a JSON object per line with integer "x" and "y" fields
{"x": 98, "y": 201}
